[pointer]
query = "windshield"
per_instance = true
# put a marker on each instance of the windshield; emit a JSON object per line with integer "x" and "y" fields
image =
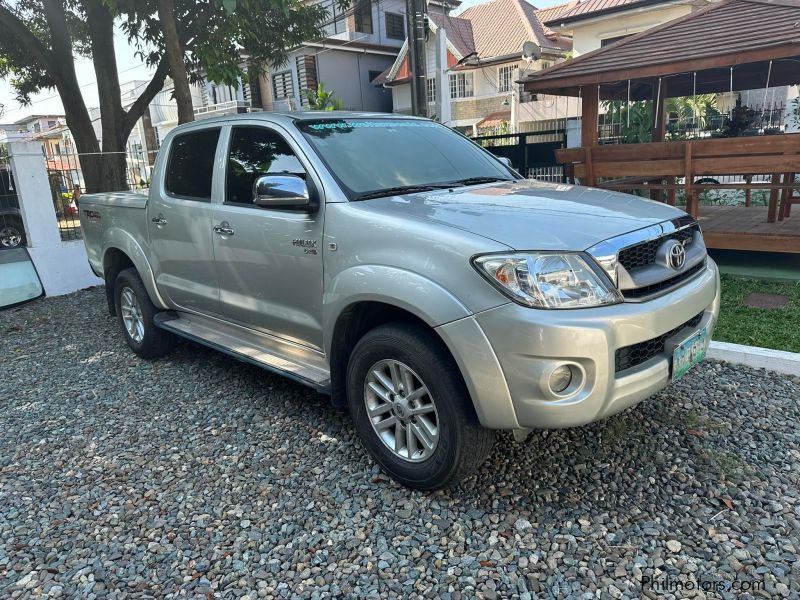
{"x": 369, "y": 156}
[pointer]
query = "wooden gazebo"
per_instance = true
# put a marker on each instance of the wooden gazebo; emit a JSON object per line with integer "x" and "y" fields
{"x": 728, "y": 46}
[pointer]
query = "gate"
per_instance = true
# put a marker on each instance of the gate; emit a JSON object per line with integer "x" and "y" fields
{"x": 531, "y": 153}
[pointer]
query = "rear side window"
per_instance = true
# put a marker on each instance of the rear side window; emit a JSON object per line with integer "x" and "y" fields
{"x": 191, "y": 164}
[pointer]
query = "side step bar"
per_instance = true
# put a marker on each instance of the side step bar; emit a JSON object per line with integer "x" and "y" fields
{"x": 294, "y": 361}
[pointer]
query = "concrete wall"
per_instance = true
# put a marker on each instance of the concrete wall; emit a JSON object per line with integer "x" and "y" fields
{"x": 344, "y": 29}
{"x": 589, "y": 35}
{"x": 63, "y": 267}
{"x": 347, "y": 73}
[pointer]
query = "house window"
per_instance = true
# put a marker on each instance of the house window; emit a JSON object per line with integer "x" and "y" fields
{"x": 307, "y": 76}
{"x": 363, "y": 16}
{"x": 505, "y": 76}
{"x": 282, "y": 86}
{"x": 545, "y": 64}
{"x": 430, "y": 89}
{"x": 395, "y": 26}
{"x": 461, "y": 85}
{"x": 611, "y": 40}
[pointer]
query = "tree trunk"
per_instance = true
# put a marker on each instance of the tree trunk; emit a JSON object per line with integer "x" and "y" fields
{"x": 112, "y": 115}
{"x": 77, "y": 116}
{"x": 174, "y": 51}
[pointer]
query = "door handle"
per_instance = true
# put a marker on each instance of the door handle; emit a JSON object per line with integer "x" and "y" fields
{"x": 223, "y": 230}
{"x": 159, "y": 220}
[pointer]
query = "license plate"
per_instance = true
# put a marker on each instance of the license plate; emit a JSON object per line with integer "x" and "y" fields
{"x": 689, "y": 353}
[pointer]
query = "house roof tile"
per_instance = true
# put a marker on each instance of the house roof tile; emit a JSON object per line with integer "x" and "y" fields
{"x": 500, "y": 27}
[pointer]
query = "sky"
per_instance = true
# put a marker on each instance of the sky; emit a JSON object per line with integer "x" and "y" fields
{"x": 130, "y": 69}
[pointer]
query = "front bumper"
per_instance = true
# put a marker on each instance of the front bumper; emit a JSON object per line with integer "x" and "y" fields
{"x": 507, "y": 354}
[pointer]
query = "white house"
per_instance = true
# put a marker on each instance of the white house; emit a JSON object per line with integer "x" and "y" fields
{"x": 484, "y": 60}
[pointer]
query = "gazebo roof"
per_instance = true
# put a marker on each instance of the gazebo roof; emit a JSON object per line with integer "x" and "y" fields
{"x": 693, "y": 53}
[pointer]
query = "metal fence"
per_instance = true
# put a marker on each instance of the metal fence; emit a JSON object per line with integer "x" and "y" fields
{"x": 68, "y": 183}
{"x": 531, "y": 153}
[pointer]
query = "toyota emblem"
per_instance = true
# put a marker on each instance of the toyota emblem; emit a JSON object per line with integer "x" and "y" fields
{"x": 676, "y": 256}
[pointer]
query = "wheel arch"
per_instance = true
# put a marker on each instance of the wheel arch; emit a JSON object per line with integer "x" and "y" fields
{"x": 122, "y": 252}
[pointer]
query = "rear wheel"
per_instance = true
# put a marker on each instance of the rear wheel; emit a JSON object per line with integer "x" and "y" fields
{"x": 412, "y": 410}
{"x": 135, "y": 314}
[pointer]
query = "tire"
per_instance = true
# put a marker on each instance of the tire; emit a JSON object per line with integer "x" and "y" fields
{"x": 459, "y": 445}
{"x": 135, "y": 314}
{"x": 12, "y": 235}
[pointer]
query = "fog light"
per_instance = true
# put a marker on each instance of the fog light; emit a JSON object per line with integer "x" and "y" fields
{"x": 560, "y": 379}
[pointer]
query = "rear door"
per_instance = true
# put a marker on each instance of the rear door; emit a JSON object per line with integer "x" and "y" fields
{"x": 179, "y": 215}
{"x": 270, "y": 265}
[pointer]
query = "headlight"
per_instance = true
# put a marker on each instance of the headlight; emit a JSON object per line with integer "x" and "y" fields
{"x": 546, "y": 280}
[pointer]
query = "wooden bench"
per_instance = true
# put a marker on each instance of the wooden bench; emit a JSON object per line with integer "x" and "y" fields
{"x": 656, "y": 166}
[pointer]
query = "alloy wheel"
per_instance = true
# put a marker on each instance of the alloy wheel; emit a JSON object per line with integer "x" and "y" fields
{"x": 401, "y": 410}
{"x": 131, "y": 314}
{"x": 10, "y": 237}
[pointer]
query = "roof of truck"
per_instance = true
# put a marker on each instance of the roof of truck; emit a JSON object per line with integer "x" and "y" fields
{"x": 283, "y": 116}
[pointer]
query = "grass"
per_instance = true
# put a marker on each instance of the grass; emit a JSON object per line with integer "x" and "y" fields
{"x": 767, "y": 328}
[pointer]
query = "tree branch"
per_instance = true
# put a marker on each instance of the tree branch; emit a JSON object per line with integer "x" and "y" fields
{"x": 16, "y": 30}
{"x": 137, "y": 109}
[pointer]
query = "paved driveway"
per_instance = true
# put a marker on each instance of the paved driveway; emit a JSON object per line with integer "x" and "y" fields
{"x": 197, "y": 475}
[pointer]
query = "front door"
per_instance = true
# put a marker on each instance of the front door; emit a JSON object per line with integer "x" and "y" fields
{"x": 179, "y": 216}
{"x": 269, "y": 261}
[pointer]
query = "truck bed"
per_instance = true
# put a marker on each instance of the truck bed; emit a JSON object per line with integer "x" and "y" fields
{"x": 102, "y": 213}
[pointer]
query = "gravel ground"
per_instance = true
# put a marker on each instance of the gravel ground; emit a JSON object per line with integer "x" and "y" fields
{"x": 197, "y": 475}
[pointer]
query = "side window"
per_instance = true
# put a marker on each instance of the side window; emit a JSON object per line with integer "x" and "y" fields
{"x": 256, "y": 151}
{"x": 191, "y": 165}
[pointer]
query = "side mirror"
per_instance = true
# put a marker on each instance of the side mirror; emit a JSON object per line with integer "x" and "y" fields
{"x": 506, "y": 161}
{"x": 282, "y": 191}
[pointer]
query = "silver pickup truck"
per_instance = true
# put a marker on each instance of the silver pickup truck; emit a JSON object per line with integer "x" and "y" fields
{"x": 395, "y": 265}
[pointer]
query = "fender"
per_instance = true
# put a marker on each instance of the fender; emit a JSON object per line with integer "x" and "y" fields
{"x": 115, "y": 237}
{"x": 410, "y": 291}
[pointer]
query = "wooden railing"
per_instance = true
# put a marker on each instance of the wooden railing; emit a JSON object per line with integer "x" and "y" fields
{"x": 656, "y": 167}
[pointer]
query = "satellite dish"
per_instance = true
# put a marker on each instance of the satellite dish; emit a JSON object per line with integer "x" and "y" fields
{"x": 531, "y": 51}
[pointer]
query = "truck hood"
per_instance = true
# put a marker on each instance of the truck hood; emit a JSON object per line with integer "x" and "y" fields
{"x": 531, "y": 215}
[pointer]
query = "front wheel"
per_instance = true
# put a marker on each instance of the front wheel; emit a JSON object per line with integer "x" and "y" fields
{"x": 135, "y": 312}
{"x": 412, "y": 409}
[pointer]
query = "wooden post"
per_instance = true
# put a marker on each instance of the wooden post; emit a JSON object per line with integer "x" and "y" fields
{"x": 590, "y": 180}
{"x": 688, "y": 182}
{"x": 773, "y": 198}
{"x": 590, "y": 98}
{"x": 659, "y": 129}
{"x": 748, "y": 179}
{"x": 659, "y": 125}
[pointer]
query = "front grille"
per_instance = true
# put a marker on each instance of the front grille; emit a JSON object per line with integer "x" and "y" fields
{"x": 644, "y": 254}
{"x": 631, "y": 356}
{"x": 648, "y": 290}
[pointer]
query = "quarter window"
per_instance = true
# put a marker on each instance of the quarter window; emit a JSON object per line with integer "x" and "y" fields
{"x": 256, "y": 151}
{"x": 395, "y": 26}
{"x": 191, "y": 164}
{"x": 461, "y": 85}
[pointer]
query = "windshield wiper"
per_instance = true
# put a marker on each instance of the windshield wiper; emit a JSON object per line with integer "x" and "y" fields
{"x": 400, "y": 189}
{"x": 478, "y": 180}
